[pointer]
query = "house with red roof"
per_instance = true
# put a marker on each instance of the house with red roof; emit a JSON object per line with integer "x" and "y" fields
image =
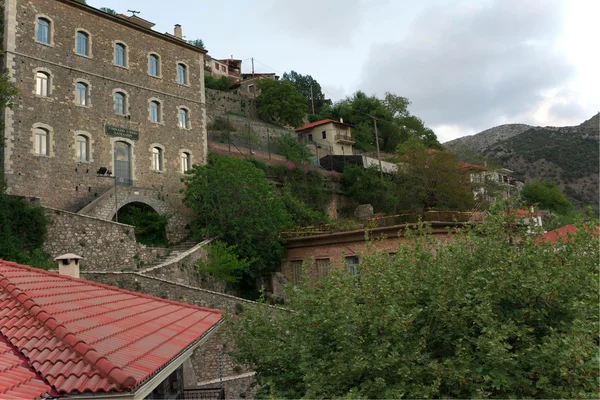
{"x": 334, "y": 137}
{"x": 62, "y": 336}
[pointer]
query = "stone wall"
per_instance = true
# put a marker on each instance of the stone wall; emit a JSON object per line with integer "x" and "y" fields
{"x": 104, "y": 245}
{"x": 220, "y": 103}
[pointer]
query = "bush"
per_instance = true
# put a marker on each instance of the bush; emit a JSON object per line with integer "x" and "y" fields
{"x": 223, "y": 84}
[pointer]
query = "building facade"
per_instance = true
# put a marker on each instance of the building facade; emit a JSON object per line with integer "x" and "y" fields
{"x": 335, "y": 136}
{"x": 95, "y": 91}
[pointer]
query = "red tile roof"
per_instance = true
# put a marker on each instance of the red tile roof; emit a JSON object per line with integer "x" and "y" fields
{"x": 83, "y": 336}
{"x": 319, "y": 123}
{"x": 465, "y": 165}
{"x": 563, "y": 233}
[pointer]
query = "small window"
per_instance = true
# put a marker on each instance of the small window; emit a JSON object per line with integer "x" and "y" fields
{"x": 120, "y": 103}
{"x": 223, "y": 68}
{"x": 310, "y": 137}
{"x": 250, "y": 88}
{"x": 42, "y": 84}
{"x": 155, "y": 111}
{"x": 184, "y": 119}
{"x": 120, "y": 55}
{"x": 181, "y": 74}
{"x": 43, "y": 30}
{"x": 352, "y": 262}
{"x": 296, "y": 271}
{"x": 154, "y": 65}
{"x": 83, "y": 44}
{"x": 324, "y": 133}
{"x": 41, "y": 137}
{"x": 157, "y": 161}
{"x": 81, "y": 94}
{"x": 83, "y": 147}
{"x": 186, "y": 162}
{"x": 217, "y": 66}
{"x": 323, "y": 266}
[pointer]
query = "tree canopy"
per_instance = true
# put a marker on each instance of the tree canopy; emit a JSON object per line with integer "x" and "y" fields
{"x": 281, "y": 102}
{"x": 546, "y": 195}
{"x": 232, "y": 200}
{"x": 395, "y": 123}
{"x": 477, "y": 317}
{"x": 309, "y": 88}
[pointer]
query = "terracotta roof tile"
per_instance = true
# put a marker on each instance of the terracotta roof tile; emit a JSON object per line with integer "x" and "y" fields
{"x": 319, "y": 123}
{"x": 79, "y": 336}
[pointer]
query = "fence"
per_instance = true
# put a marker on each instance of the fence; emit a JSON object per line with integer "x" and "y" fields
{"x": 204, "y": 394}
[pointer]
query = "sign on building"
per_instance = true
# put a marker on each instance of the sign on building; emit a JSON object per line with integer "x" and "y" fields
{"x": 119, "y": 131}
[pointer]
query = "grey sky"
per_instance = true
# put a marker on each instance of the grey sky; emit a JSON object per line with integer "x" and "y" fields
{"x": 465, "y": 65}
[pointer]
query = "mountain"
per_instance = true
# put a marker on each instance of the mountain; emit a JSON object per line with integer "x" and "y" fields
{"x": 569, "y": 155}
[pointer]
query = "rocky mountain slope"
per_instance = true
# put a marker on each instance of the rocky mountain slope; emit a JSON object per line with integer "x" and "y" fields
{"x": 569, "y": 155}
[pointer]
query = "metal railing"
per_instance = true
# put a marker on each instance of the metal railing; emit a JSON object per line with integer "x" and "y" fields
{"x": 204, "y": 394}
{"x": 343, "y": 138}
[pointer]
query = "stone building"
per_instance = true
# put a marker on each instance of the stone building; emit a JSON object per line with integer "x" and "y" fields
{"x": 99, "y": 90}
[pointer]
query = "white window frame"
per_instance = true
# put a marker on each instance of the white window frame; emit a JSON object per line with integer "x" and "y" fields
{"x": 186, "y": 74}
{"x": 352, "y": 267}
{"x": 40, "y": 88}
{"x": 35, "y": 131}
{"x": 125, "y": 101}
{"x": 125, "y": 54}
{"x": 87, "y": 102}
{"x": 188, "y": 123}
{"x": 187, "y": 155}
{"x": 160, "y": 110}
{"x": 90, "y": 146}
{"x": 161, "y": 157}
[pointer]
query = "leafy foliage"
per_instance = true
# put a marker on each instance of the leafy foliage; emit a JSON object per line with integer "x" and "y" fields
{"x": 150, "y": 226}
{"x": 309, "y": 88}
{"x": 395, "y": 123}
{"x": 479, "y": 317}
{"x": 432, "y": 179}
{"x": 291, "y": 148}
{"x": 249, "y": 136}
{"x": 546, "y": 195}
{"x": 365, "y": 186}
{"x": 198, "y": 43}
{"x": 232, "y": 200}
{"x": 223, "y": 83}
{"x": 280, "y": 101}
{"x": 222, "y": 263}
{"x": 108, "y": 10}
{"x": 22, "y": 232}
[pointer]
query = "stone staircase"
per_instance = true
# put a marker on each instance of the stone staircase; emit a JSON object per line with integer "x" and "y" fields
{"x": 169, "y": 255}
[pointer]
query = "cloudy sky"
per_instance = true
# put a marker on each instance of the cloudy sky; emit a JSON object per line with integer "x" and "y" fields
{"x": 465, "y": 65}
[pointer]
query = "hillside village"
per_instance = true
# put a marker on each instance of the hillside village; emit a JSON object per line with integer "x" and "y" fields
{"x": 150, "y": 189}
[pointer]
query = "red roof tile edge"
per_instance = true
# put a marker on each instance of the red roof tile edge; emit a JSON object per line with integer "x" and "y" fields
{"x": 105, "y": 367}
{"x": 319, "y": 123}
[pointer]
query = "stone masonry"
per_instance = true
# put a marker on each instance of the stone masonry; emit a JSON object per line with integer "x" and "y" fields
{"x": 59, "y": 176}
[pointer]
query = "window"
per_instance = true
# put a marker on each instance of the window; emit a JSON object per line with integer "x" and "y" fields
{"x": 43, "y": 30}
{"x": 296, "y": 271}
{"x": 181, "y": 74}
{"x": 120, "y": 103}
{"x": 157, "y": 161}
{"x": 310, "y": 137}
{"x": 81, "y": 94}
{"x": 184, "y": 120}
{"x": 83, "y": 147}
{"x": 217, "y": 66}
{"x": 154, "y": 111}
{"x": 83, "y": 43}
{"x": 250, "y": 88}
{"x": 186, "y": 161}
{"x": 42, "y": 84}
{"x": 352, "y": 262}
{"x": 120, "y": 55}
{"x": 40, "y": 145}
{"x": 154, "y": 65}
{"x": 323, "y": 266}
{"x": 223, "y": 68}
{"x": 324, "y": 133}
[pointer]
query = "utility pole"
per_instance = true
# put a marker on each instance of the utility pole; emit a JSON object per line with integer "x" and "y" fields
{"x": 253, "y": 80}
{"x": 252, "y": 67}
{"x": 377, "y": 143}
{"x": 312, "y": 99}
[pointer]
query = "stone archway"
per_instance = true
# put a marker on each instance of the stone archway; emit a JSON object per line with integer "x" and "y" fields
{"x": 150, "y": 225}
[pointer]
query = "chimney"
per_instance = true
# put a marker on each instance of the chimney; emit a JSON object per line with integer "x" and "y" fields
{"x": 341, "y": 120}
{"x": 68, "y": 264}
{"x": 177, "y": 32}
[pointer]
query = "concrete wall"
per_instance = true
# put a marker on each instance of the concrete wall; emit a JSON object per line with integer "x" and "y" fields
{"x": 59, "y": 180}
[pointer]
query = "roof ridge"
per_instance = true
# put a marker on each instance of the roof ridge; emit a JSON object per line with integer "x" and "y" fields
{"x": 85, "y": 351}
{"x": 102, "y": 285}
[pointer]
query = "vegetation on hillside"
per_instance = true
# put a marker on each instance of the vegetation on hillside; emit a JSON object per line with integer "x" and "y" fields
{"x": 150, "y": 226}
{"x": 223, "y": 83}
{"x": 280, "y": 102}
{"x": 482, "y": 316}
{"x": 310, "y": 89}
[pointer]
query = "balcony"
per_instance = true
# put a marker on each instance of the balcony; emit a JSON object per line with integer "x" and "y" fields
{"x": 344, "y": 139}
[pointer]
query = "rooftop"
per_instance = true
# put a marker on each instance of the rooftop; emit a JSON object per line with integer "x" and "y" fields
{"x": 319, "y": 123}
{"x": 67, "y": 335}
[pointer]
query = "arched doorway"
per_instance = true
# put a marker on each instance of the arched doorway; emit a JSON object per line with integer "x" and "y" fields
{"x": 150, "y": 226}
{"x": 123, "y": 163}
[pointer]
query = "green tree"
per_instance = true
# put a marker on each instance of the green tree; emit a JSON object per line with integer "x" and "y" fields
{"x": 281, "y": 102}
{"x": 477, "y": 317}
{"x": 249, "y": 136}
{"x": 222, "y": 263}
{"x": 291, "y": 148}
{"x": 546, "y": 195}
{"x": 108, "y": 10}
{"x": 223, "y": 83}
{"x": 309, "y": 88}
{"x": 232, "y": 200}
{"x": 198, "y": 43}
{"x": 432, "y": 179}
{"x": 150, "y": 226}
{"x": 366, "y": 186}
